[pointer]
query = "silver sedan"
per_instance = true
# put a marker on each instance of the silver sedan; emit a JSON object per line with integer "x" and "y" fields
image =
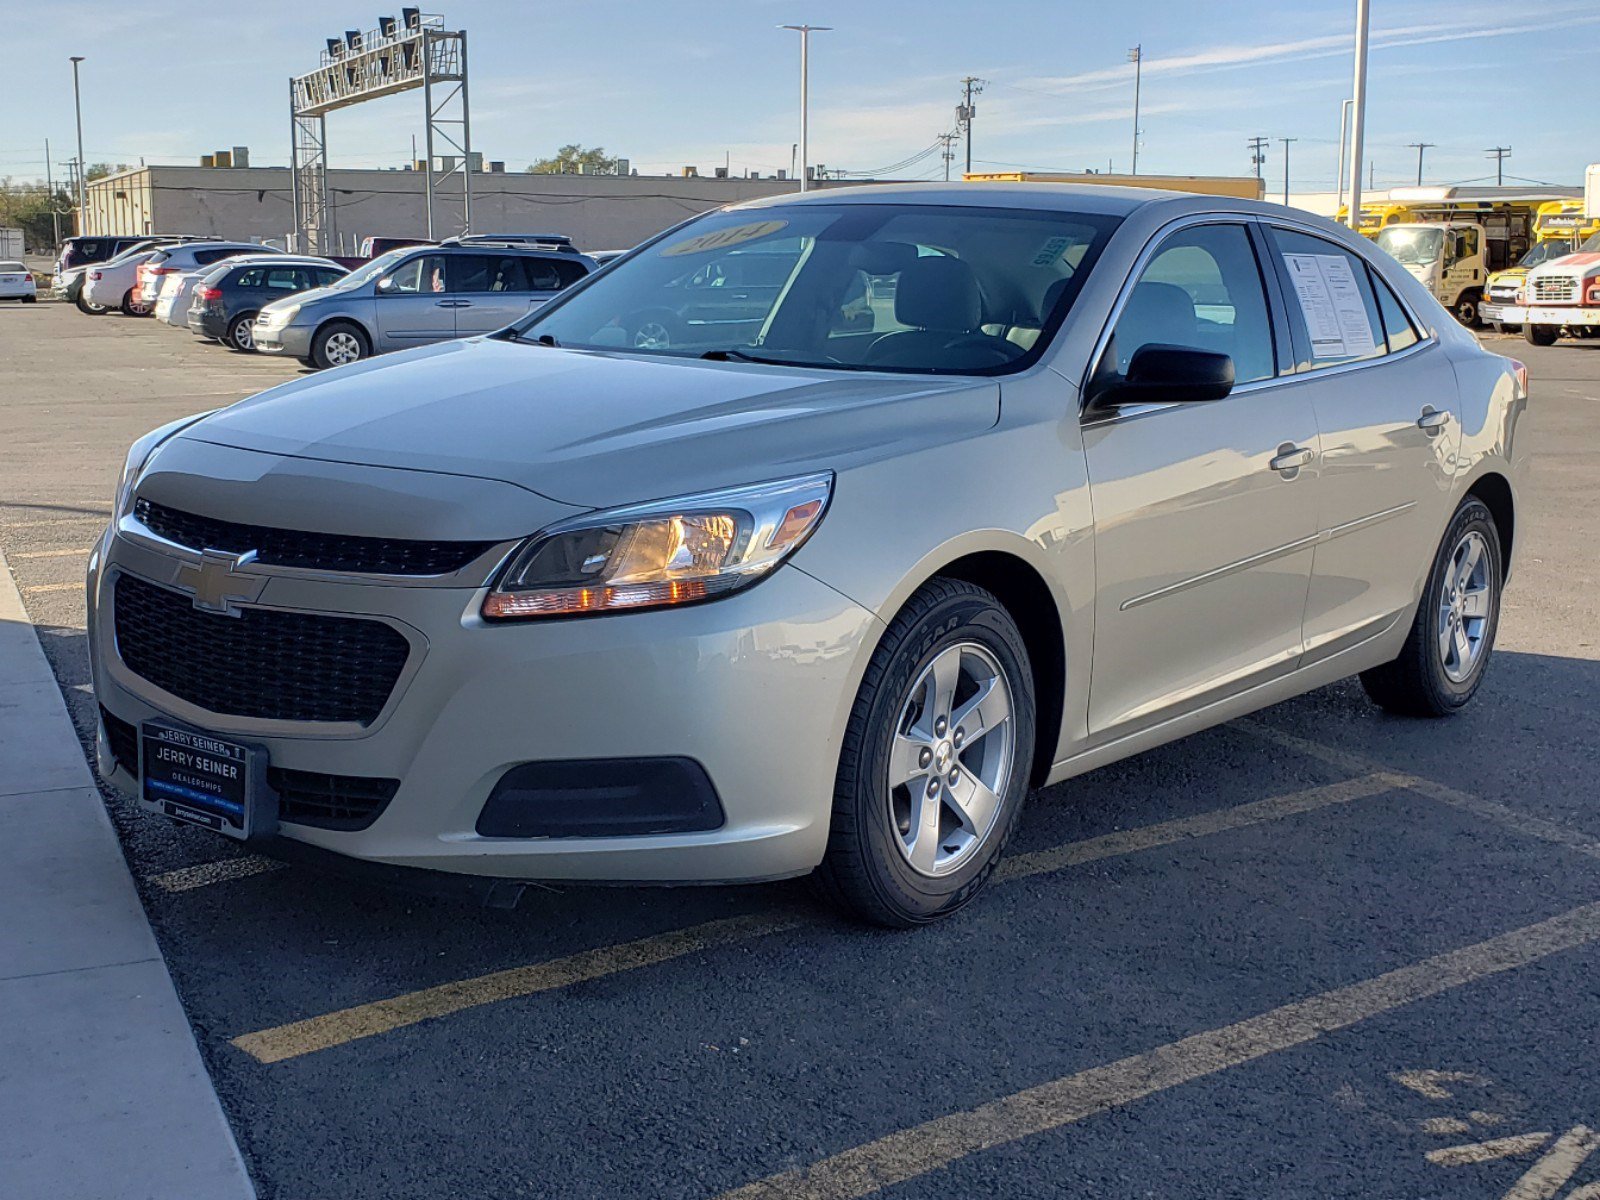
{"x": 931, "y": 497}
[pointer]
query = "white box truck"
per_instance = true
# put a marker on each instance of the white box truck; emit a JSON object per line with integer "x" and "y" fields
{"x": 1563, "y": 295}
{"x": 10, "y": 242}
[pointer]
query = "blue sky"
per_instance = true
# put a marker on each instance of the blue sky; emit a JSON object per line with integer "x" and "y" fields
{"x": 689, "y": 80}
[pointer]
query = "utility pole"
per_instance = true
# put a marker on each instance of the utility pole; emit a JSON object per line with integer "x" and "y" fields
{"x": 1358, "y": 124}
{"x": 77, "y": 107}
{"x": 1344, "y": 133}
{"x": 50, "y": 190}
{"x": 1286, "y": 142}
{"x": 1499, "y": 154}
{"x": 1136, "y": 57}
{"x": 964, "y": 114}
{"x": 805, "y": 32}
{"x": 945, "y": 139}
{"x": 1257, "y": 144}
{"x": 1419, "y": 147}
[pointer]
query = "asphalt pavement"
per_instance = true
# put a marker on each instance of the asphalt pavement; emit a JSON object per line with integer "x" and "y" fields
{"x": 1321, "y": 952}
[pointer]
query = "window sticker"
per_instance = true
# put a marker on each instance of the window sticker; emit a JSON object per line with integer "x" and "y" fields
{"x": 1336, "y": 317}
{"x": 1051, "y": 251}
{"x": 721, "y": 239}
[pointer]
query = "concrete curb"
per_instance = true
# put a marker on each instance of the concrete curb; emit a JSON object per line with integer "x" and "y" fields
{"x": 102, "y": 1091}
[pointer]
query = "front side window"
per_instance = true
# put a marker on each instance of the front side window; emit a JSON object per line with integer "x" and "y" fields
{"x": 1201, "y": 291}
{"x": 420, "y": 276}
{"x": 1330, "y": 299}
{"x": 880, "y": 287}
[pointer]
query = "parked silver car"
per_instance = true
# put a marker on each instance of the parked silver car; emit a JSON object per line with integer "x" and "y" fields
{"x": 420, "y": 294}
{"x": 807, "y": 589}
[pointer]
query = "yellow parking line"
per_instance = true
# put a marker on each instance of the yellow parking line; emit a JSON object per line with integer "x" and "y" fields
{"x": 50, "y": 554}
{"x": 319, "y": 1033}
{"x": 75, "y": 585}
{"x": 916, "y": 1151}
{"x": 365, "y": 1020}
{"x": 1489, "y": 810}
{"x": 186, "y": 879}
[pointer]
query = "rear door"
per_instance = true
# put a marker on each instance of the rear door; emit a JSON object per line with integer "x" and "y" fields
{"x": 491, "y": 290}
{"x": 413, "y": 304}
{"x": 1385, "y": 402}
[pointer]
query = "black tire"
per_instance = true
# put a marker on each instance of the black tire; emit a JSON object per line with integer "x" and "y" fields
{"x": 320, "y": 357}
{"x": 1466, "y": 309}
{"x": 89, "y": 310}
{"x": 1416, "y": 684}
{"x": 241, "y": 326}
{"x": 132, "y": 307}
{"x": 30, "y": 299}
{"x": 864, "y": 869}
{"x": 1540, "y": 335}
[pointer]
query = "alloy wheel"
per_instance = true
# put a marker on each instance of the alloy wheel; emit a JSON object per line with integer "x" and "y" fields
{"x": 951, "y": 759}
{"x": 1466, "y": 606}
{"x": 342, "y": 348}
{"x": 243, "y": 336}
{"x": 652, "y": 335}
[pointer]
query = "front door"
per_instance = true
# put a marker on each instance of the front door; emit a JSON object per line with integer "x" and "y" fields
{"x": 414, "y": 304}
{"x": 1205, "y": 513}
{"x": 1385, "y": 402}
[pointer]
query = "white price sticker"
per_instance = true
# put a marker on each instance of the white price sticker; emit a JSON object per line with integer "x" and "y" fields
{"x": 1331, "y": 302}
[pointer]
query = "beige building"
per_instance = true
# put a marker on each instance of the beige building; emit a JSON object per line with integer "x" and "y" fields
{"x": 599, "y": 212}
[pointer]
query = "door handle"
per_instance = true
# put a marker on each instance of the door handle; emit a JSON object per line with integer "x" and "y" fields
{"x": 1290, "y": 458}
{"x": 1433, "y": 419}
{"x": 453, "y": 303}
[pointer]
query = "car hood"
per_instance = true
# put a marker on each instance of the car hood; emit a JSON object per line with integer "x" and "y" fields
{"x": 299, "y": 298}
{"x": 593, "y": 428}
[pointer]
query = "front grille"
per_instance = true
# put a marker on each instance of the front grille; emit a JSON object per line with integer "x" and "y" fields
{"x": 1555, "y": 290}
{"x": 345, "y": 802}
{"x": 273, "y": 666}
{"x": 299, "y": 548}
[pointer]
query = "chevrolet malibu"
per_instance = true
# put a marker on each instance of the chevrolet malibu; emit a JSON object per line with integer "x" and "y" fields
{"x": 995, "y": 485}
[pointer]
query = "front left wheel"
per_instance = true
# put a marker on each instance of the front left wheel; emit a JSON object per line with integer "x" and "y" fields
{"x": 935, "y": 761}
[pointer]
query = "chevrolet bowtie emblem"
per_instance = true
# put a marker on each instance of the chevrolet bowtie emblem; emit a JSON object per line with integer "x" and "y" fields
{"x": 214, "y": 583}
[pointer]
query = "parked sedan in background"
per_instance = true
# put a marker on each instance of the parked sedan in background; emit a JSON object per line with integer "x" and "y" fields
{"x": 555, "y": 605}
{"x": 115, "y": 284}
{"x": 412, "y": 296}
{"x": 227, "y": 300}
{"x": 17, "y": 283}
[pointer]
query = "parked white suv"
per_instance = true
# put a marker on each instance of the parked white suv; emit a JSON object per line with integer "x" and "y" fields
{"x": 176, "y": 260}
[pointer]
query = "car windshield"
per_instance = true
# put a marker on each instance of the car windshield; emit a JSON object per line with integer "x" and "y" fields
{"x": 879, "y": 287}
{"x": 1413, "y": 247}
{"x": 381, "y": 265}
{"x": 1544, "y": 251}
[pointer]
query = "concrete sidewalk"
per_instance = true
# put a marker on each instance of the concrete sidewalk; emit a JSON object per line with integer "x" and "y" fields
{"x": 102, "y": 1092}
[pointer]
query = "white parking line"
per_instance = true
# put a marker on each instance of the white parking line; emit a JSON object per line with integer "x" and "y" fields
{"x": 186, "y": 879}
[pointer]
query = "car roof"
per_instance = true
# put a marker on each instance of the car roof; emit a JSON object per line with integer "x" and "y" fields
{"x": 1046, "y": 197}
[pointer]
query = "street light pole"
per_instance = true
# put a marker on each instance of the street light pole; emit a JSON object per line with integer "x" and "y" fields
{"x": 1358, "y": 124}
{"x": 1286, "y": 142}
{"x": 1344, "y": 134}
{"x": 1419, "y": 147}
{"x": 805, "y": 32}
{"x": 1136, "y": 55}
{"x": 77, "y": 106}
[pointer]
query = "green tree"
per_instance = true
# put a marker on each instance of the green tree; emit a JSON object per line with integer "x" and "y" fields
{"x": 26, "y": 206}
{"x": 101, "y": 170}
{"x": 570, "y": 158}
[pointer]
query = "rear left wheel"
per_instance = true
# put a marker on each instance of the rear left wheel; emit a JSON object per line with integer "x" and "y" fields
{"x": 1442, "y": 663}
{"x": 132, "y": 306}
{"x": 241, "y": 332}
{"x": 1466, "y": 309}
{"x": 1540, "y": 335}
{"x": 935, "y": 761}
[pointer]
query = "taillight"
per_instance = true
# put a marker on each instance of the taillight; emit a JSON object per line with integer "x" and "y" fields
{"x": 94, "y": 274}
{"x": 163, "y": 270}
{"x": 210, "y": 294}
{"x": 27, "y": 279}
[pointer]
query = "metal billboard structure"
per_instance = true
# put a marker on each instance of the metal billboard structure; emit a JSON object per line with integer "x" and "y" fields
{"x": 415, "y": 51}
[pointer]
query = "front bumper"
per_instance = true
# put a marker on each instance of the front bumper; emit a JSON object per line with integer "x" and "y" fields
{"x": 755, "y": 688}
{"x": 1561, "y": 315}
{"x": 1504, "y": 314}
{"x": 293, "y": 340}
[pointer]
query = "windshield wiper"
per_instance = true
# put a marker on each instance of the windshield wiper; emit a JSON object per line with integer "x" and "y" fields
{"x": 544, "y": 339}
{"x": 732, "y": 355}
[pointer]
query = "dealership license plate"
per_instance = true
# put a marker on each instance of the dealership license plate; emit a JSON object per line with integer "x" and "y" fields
{"x": 204, "y": 780}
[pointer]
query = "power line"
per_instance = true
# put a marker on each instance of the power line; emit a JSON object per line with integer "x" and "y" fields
{"x": 965, "y": 112}
{"x": 1257, "y": 144}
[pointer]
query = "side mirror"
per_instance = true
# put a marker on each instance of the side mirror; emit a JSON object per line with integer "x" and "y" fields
{"x": 1166, "y": 375}
{"x": 386, "y": 284}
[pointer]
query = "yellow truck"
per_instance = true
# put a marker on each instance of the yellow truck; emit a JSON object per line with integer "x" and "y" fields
{"x": 1457, "y": 237}
{"x": 1246, "y": 187}
{"x": 1560, "y": 227}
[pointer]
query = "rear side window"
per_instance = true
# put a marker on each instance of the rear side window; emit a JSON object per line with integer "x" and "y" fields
{"x": 567, "y": 272}
{"x": 1397, "y": 326}
{"x": 254, "y": 277}
{"x": 1330, "y": 300}
{"x": 324, "y": 277}
{"x": 1201, "y": 291}
{"x": 206, "y": 257}
{"x": 284, "y": 279}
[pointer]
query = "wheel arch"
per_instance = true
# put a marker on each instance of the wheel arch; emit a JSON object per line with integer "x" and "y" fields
{"x": 1023, "y": 592}
{"x": 1494, "y": 489}
{"x": 341, "y": 319}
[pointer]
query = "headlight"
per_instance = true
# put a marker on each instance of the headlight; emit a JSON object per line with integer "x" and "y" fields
{"x": 277, "y": 317}
{"x": 139, "y": 456}
{"x": 662, "y": 553}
